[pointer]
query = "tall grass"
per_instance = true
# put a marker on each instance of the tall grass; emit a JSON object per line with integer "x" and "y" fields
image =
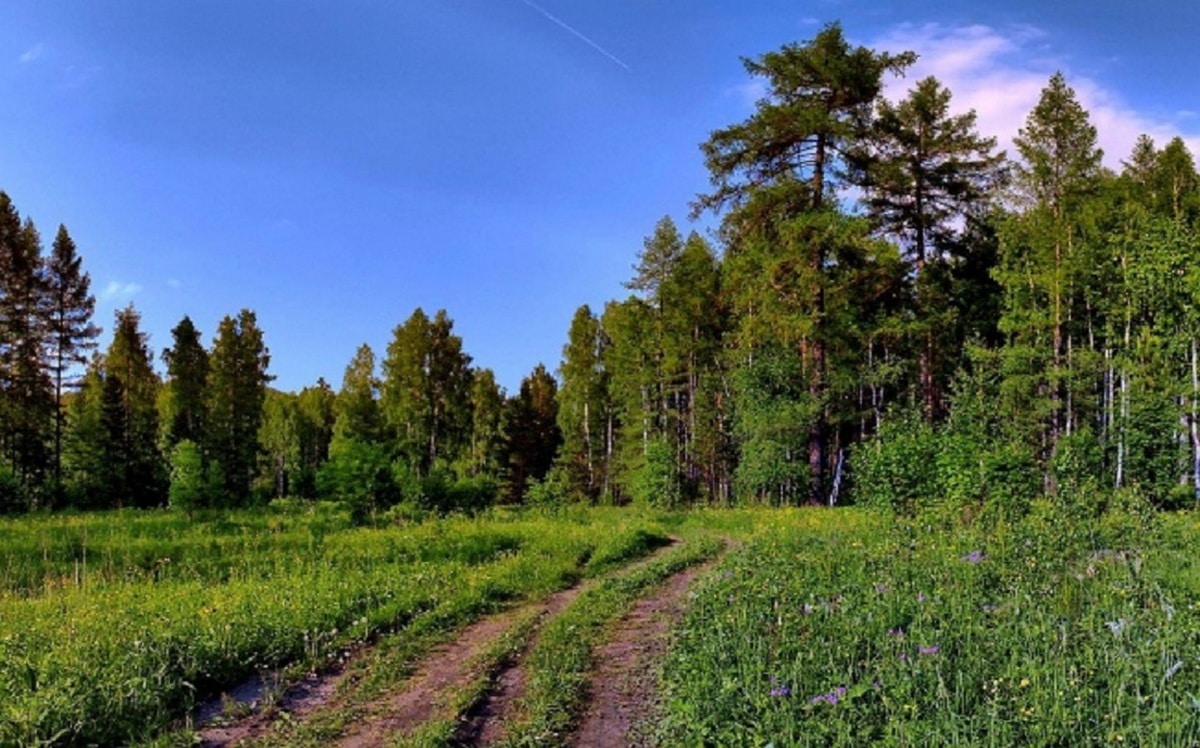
{"x": 125, "y": 648}
{"x": 843, "y": 628}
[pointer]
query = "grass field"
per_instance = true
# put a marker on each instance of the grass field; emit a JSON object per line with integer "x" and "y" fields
{"x": 857, "y": 629}
{"x": 164, "y": 612}
{"x": 819, "y": 627}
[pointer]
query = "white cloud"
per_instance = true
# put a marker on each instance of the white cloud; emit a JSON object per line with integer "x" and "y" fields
{"x": 31, "y": 54}
{"x": 1001, "y": 73}
{"x": 173, "y": 282}
{"x": 117, "y": 291}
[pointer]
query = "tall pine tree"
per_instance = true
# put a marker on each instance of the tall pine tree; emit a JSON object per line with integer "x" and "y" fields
{"x": 72, "y": 335}
{"x": 237, "y": 387}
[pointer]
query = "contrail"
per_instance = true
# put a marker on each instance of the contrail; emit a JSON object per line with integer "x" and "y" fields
{"x": 589, "y": 42}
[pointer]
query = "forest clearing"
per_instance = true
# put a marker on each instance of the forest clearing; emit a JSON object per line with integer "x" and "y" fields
{"x": 902, "y": 450}
{"x": 792, "y": 627}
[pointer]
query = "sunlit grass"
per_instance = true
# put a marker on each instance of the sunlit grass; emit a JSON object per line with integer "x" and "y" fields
{"x": 848, "y": 629}
{"x": 123, "y": 652}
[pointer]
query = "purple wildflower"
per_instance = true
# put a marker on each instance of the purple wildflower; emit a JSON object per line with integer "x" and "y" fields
{"x": 898, "y": 633}
{"x": 831, "y": 698}
{"x": 921, "y": 597}
{"x": 973, "y": 557}
{"x": 780, "y": 692}
{"x": 932, "y": 650}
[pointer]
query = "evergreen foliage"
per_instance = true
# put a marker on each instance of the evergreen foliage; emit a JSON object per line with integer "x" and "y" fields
{"x": 967, "y": 336}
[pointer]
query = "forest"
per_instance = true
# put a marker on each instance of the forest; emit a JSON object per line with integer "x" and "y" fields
{"x": 889, "y": 302}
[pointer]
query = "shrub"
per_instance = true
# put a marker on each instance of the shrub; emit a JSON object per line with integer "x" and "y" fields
{"x": 190, "y": 484}
{"x": 359, "y": 475}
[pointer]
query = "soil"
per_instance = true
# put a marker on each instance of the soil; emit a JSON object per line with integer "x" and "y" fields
{"x": 484, "y": 723}
{"x": 444, "y": 672}
{"x": 623, "y": 693}
{"x": 254, "y": 700}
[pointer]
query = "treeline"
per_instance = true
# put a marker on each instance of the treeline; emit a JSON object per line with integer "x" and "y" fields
{"x": 92, "y": 429}
{"x": 892, "y": 304}
{"x": 900, "y": 308}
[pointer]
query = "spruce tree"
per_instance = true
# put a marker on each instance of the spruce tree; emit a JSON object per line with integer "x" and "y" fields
{"x": 237, "y": 387}
{"x": 72, "y": 335}
{"x": 532, "y": 431}
{"x": 129, "y": 416}
{"x": 187, "y": 385}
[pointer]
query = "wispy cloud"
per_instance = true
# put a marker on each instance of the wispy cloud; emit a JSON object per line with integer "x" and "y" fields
{"x": 117, "y": 291}
{"x": 578, "y": 34}
{"x": 173, "y": 283}
{"x": 1001, "y": 73}
{"x": 31, "y": 54}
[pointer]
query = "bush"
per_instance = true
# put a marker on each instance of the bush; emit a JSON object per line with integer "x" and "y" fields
{"x": 190, "y": 484}
{"x": 359, "y": 475}
{"x": 549, "y": 492}
{"x": 656, "y": 482}
{"x": 1011, "y": 480}
{"x": 898, "y": 469}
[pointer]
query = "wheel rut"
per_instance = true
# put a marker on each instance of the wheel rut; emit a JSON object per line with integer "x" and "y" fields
{"x": 623, "y": 693}
{"x": 444, "y": 672}
{"x": 622, "y": 690}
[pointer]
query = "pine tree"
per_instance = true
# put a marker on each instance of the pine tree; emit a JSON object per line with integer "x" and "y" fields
{"x": 358, "y": 415}
{"x": 317, "y": 415}
{"x": 129, "y": 416}
{"x": 425, "y": 393}
{"x": 818, "y": 100}
{"x": 780, "y": 165}
{"x": 630, "y": 364}
{"x": 91, "y": 456}
{"x": 1048, "y": 257}
{"x": 71, "y": 332}
{"x": 279, "y": 444}
{"x": 583, "y": 407}
{"x": 26, "y": 390}
{"x": 484, "y": 458}
{"x": 532, "y": 431}
{"x": 186, "y": 389}
{"x": 1060, "y": 161}
{"x": 923, "y": 171}
{"x": 237, "y": 387}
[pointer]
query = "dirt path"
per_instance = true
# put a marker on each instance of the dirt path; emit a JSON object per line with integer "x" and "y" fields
{"x": 622, "y": 695}
{"x": 622, "y": 691}
{"x": 445, "y": 671}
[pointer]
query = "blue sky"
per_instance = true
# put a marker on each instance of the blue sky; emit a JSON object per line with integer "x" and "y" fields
{"x": 335, "y": 165}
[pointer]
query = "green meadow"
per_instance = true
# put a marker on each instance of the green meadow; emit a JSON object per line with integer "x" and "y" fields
{"x": 815, "y": 627}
